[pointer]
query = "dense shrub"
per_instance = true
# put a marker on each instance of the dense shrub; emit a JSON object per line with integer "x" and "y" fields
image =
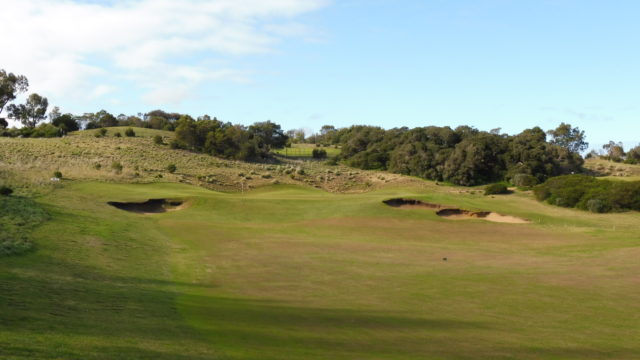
{"x": 171, "y": 168}
{"x": 226, "y": 140}
{"x": 158, "y": 140}
{"x": 117, "y": 167}
{"x": 46, "y": 131}
{"x": 495, "y": 189}
{"x": 129, "y": 132}
{"x": 319, "y": 153}
{"x": 588, "y": 193}
{"x": 5, "y": 190}
{"x": 57, "y": 174}
{"x": 117, "y": 134}
{"x": 463, "y": 156}
{"x": 524, "y": 180}
{"x": 100, "y": 132}
{"x": 598, "y": 206}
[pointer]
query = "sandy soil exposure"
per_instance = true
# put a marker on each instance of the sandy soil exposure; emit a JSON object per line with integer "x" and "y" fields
{"x": 152, "y": 206}
{"x": 453, "y": 213}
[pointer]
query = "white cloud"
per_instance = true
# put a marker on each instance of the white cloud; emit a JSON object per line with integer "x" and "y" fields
{"x": 65, "y": 47}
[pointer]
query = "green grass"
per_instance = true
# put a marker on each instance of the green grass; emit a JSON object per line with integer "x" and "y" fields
{"x": 18, "y": 217}
{"x": 287, "y": 272}
{"x": 306, "y": 150}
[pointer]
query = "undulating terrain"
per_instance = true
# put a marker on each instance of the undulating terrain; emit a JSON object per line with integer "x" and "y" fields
{"x": 299, "y": 260}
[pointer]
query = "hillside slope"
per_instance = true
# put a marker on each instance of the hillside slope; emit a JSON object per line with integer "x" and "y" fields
{"x": 82, "y": 156}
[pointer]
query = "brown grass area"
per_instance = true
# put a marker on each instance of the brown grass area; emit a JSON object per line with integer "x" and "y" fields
{"x": 82, "y": 156}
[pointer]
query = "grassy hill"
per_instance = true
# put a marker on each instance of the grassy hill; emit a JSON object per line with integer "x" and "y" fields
{"x": 613, "y": 170}
{"x": 289, "y": 271}
{"x": 81, "y": 156}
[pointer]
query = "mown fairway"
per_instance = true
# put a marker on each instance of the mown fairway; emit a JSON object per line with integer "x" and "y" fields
{"x": 292, "y": 273}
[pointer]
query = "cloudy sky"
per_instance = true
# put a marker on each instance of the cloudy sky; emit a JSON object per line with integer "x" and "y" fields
{"x": 305, "y": 63}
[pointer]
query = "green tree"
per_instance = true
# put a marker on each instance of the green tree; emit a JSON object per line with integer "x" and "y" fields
{"x": 33, "y": 111}
{"x": 633, "y": 155}
{"x": 186, "y": 134}
{"x": 106, "y": 119}
{"x": 66, "y": 123}
{"x": 11, "y": 86}
{"x": 268, "y": 135}
{"x": 54, "y": 113}
{"x": 569, "y": 138}
{"x": 615, "y": 151}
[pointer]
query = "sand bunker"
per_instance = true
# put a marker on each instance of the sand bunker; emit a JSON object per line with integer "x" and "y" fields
{"x": 453, "y": 213}
{"x": 412, "y": 204}
{"x": 153, "y": 206}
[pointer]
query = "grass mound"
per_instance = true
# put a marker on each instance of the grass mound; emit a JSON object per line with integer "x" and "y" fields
{"x": 18, "y": 217}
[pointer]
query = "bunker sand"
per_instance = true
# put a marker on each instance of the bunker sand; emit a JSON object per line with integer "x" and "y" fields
{"x": 152, "y": 206}
{"x": 453, "y": 213}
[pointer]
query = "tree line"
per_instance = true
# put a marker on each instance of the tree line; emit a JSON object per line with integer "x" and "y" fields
{"x": 614, "y": 151}
{"x": 464, "y": 155}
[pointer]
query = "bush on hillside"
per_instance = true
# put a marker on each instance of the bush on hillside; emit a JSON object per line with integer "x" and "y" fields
{"x": 100, "y": 132}
{"x": 57, "y": 174}
{"x": 171, "y": 168}
{"x": 158, "y": 140}
{"x": 46, "y": 131}
{"x": 524, "y": 180}
{"x": 319, "y": 153}
{"x": 129, "y": 132}
{"x": 117, "y": 167}
{"x": 588, "y": 193}
{"x": 117, "y": 134}
{"x": 5, "y": 190}
{"x": 496, "y": 189}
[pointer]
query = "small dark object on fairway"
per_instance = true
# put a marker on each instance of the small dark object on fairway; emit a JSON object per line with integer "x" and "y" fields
{"x": 444, "y": 259}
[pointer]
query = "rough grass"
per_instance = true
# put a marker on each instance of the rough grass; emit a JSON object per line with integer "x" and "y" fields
{"x": 611, "y": 169}
{"x": 18, "y": 217}
{"x": 82, "y": 157}
{"x": 286, "y": 272}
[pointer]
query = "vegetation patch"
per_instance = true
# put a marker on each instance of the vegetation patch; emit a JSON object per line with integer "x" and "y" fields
{"x": 588, "y": 193}
{"x": 18, "y": 217}
{"x": 496, "y": 189}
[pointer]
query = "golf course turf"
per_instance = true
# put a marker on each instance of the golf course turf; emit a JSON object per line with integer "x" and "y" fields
{"x": 289, "y": 272}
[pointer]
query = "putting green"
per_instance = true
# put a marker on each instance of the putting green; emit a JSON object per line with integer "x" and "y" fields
{"x": 294, "y": 273}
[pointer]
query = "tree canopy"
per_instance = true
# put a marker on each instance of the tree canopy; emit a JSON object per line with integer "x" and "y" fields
{"x": 11, "y": 86}
{"x": 569, "y": 138}
{"x": 33, "y": 111}
{"x": 464, "y": 156}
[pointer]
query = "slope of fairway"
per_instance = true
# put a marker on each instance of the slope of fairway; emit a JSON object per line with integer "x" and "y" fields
{"x": 286, "y": 272}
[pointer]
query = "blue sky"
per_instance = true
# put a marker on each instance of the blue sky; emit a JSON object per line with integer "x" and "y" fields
{"x": 486, "y": 63}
